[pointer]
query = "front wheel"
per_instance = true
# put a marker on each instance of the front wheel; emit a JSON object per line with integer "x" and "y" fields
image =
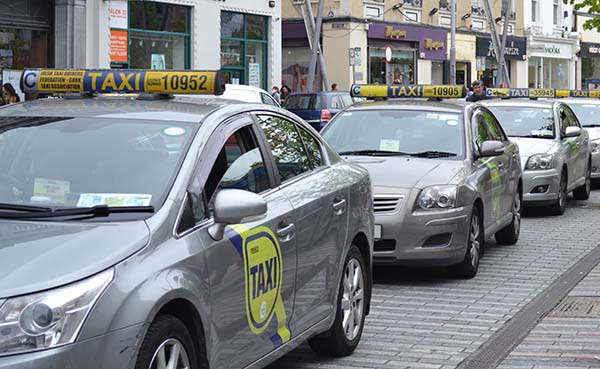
{"x": 560, "y": 205}
{"x": 468, "y": 267}
{"x": 583, "y": 192}
{"x": 343, "y": 336}
{"x": 509, "y": 235}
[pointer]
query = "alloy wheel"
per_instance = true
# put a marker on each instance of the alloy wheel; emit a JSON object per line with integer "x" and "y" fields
{"x": 171, "y": 354}
{"x": 352, "y": 299}
{"x": 475, "y": 245}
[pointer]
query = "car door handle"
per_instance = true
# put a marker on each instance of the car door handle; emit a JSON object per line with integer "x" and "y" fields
{"x": 285, "y": 232}
{"x": 339, "y": 207}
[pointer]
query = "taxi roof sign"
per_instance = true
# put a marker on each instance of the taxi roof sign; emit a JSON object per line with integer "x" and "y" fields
{"x": 409, "y": 91}
{"x": 122, "y": 81}
{"x": 539, "y": 93}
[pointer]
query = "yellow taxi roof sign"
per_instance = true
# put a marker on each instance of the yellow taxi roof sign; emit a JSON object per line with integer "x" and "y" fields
{"x": 409, "y": 91}
{"x": 122, "y": 81}
{"x": 539, "y": 93}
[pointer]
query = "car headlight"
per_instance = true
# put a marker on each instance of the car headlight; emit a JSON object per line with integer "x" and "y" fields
{"x": 540, "y": 162}
{"x": 596, "y": 146}
{"x": 437, "y": 197}
{"x": 51, "y": 318}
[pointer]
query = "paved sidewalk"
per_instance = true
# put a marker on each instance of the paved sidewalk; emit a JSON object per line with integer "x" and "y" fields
{"x": 562, "y": 341}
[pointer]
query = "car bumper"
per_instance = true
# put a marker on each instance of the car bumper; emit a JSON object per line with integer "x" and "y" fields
{"x": 596, "y": 166}
{"x": 116, "y": 350}
{"x": 423, "y": 238}
{"x": 533, "y": 180}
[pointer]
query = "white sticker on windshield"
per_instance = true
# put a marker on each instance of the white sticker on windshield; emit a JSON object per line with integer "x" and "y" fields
{"x": 518, "y": 120}
{"x": 447, "y": 117}
{"x": 87, "y": 200}
{"x": 389, "y": 145}
{"x": 174, "y": 131}
{"x": 452, "y": 122}
{"x": 546, "y": 110}
{"x": 433, "y": 116}
{"x": 347, "y": 114}
{"x": 51, "y": 191}
{"x": 541, "y": 132}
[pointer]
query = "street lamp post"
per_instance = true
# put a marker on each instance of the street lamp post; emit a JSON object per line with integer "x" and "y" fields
{"x": 453, "y": 42}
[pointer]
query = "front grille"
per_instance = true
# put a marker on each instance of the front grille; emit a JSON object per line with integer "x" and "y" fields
{"x": 386, "y": 204}
{"x": 384, "y": 245}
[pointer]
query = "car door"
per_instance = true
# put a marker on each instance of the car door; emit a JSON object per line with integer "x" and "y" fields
{"x": 568, "y": 146}
{"x": 508, "y": 163}
{"x": 251, "y": 298}
{"x": 582, "y": 143}
{"x": 319, "y": 195}
{"x": 491, "y": 181}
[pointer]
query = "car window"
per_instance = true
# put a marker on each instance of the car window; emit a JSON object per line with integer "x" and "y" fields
{"x": 493, "y": 127}
{"x": 286, "y": 145}
{"x": 572, "y": 117}
{"x": 239, "y": 165}
{"x": 525, "y": 121}
{"x": 313, "y": 147}
{"x": 303, "y": 102}
{"x": 346, "y": 100}
{"x": 266, "y": 99}
{"x": 336, "y": 102}
{"x": 587, "y": 114}
{"x": 567, "y": 118}
{"x": 480, "y": 129}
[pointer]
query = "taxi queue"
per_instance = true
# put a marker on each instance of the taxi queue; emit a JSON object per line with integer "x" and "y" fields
{"x": 147, "y": 223}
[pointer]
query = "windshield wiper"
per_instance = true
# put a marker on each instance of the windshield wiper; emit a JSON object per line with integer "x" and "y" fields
{"x": 532, "y": 136}
{"x": 96, "y": 211}
{"x": 433, "y": 154}
{"x": 29, "y": 208}
{"x": 374, "y": 153}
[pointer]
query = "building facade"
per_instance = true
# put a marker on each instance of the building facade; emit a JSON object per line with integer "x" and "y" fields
{"x": 588, "y": 70}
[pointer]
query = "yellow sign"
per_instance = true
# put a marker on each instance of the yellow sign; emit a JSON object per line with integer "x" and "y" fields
{"x": 400, "y": 91}
{"x": 122, "y": 81}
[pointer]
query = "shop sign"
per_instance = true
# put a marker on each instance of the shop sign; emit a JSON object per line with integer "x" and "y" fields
{"x": 551, "y": 50}
{"x": 118, "y": 46}
{"x": 515, "y": 48}
{"x": 431, "y": 41}
{"x": 589, "y": 50}
{"x": 117, "y": 14}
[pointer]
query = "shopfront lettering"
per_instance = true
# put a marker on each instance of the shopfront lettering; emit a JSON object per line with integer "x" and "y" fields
{"x": 594, "y": 50}
{"x": 551, "y": 49}
{"x": 433, "y": 45}
{"x": 395, "y": 34}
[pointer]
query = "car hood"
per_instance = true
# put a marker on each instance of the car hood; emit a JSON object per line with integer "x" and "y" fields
{"x": 36, "y": 256}
{"x": 532, "y": 146}
{"x": 403, "y": 172}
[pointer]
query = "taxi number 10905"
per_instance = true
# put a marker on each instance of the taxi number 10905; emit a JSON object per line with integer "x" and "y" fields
{"x": 443, "y": 91}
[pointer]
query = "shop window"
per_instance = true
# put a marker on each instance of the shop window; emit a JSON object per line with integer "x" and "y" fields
{"x": 244, "y": 46}
{"x": 295, "y": 61}
{"x": 399, "y": 71}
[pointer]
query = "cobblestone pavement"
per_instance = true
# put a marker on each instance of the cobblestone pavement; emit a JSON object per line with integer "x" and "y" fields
{"x": 427, "y": 319}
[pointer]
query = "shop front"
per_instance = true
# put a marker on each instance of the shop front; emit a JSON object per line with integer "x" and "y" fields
{"x": 487, "y": 65}
{"x": 465, "y": 59}
{"x": 590, "y": 65}
{"x": 295, "y": 59}
{"x": 551, "y": 63}
{"x": 412, "y": 48}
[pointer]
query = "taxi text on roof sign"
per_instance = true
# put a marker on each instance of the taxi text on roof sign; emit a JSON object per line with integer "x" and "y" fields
{"x": 539, "y": 93}
{"x": 400, "y": 91}
{"x": 122, "y": 81}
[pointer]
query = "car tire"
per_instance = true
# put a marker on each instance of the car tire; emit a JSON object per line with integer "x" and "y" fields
{"x": 467, "y": 269}
{"x": 583, "y": 192}
{"x": 166, "y": 334}
{"x": 343, "y": 336}
{"x": 509, "y": 235}
{"x": 560, "y": 205}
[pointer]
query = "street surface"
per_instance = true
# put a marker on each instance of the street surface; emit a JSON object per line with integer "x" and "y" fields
{"x": 425, "y": 318}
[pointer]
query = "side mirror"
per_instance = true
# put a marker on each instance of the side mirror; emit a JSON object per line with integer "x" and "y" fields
{"x": 491, "y": 148}
{"x": 572, "y": 131}
{"x": 233, "y": 207}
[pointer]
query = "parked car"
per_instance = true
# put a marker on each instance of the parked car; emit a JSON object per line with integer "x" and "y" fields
{"x": 157, "y": 232}
{"x": 445, "y": 179}
{"x": 249, "y": 94}
{"x": 319, "y": 107}
{"x": 555, "y": 150}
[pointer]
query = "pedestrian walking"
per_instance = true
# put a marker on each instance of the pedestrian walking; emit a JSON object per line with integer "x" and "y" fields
{"x": 478, "y": 92}
{"x": 9, "y": 95}
{"x": 275, "y": 94}
{"x": 334, "y": 87}
{"x": 284, "y": 92}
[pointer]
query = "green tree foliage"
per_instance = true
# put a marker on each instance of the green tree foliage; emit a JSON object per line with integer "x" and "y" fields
{"x": 593, "y": 8}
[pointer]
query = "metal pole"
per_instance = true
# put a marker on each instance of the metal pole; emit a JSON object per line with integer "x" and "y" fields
{"x": 314, "y": 36}
{"x": 453, "y": 42}
{"x": 493, "y": 33}
{"x": 503, "y": 65}
{"x": 310, "y": 25}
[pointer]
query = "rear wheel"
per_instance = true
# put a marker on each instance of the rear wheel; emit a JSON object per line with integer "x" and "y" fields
{"x": 509, "y": 235}
{"x": 583, "y": 192}
{"x": 560, "y": 205}
{"x": 468, "y": 267}
{"x": 343, "y": 336}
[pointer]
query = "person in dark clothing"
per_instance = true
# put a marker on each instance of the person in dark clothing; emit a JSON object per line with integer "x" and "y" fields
{"x": 9, "y": 95}
{"x": 478, "y": 92}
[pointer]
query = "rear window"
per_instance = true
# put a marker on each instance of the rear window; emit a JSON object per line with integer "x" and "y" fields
{"x": 303, "y": 102}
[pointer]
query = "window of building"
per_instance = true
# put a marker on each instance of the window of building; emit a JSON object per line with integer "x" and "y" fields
{"x": 373, "y": 11}
{"x": 556, "y": 12}
{"x": 401, "y": 70}
{"x": 478, "y": 24}
{"x": 244, "y": 48}
{"x": 412, "y": 16}
{"x": 445, "y": 21}
{"x": 534, "y": 10}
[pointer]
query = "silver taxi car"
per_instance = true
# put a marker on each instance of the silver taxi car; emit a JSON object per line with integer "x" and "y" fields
{"x": 445, "y": 179}
{"x": 555, "y": 150}
{"x": 587, "y": 112}
{"x": 153, "y": 232}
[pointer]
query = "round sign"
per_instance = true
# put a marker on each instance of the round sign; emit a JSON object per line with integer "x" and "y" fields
{"x": 388, "y": 54}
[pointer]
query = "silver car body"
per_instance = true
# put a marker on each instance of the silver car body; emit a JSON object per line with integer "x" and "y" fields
{"x": 159, "y": 267}
{"x": 415, "y": 237}
{"x": 571, "y": 154}
{"x": 592, "y": 127}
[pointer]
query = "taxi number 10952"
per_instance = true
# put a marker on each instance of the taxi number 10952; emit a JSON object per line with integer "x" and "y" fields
{"x": 178, "y": 82}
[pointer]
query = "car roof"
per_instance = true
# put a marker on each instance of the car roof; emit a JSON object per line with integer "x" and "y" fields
{"x": 527, "y": 103}
{"x": 230, "y": 87}
{"x": 180, "y": 108}
{"x": 411, "y": 104}
{"x": 581, "y": 101}
{"x": 320, "y": 93}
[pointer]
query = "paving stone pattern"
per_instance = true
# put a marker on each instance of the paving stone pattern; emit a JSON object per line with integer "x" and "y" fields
{"x": 428, "y": 319}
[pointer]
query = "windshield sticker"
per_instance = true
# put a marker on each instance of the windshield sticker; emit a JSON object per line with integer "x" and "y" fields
{"x": 389, "y": 145}
{"x": 50, "y": 191}
{"x": 87, "y": 200}
{"x": 433, "y": 116}
{"x": 518, "y": 120}
{"x": 541, "y": 132}
{"x": 546, "y": 110}
{"x": 174, "y": 131}
{"x": 452, "y": 122}
{"x": 347, "y": 114}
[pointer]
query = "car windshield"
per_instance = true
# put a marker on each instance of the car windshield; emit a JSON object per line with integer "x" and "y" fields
{"x": 522, "y": 121}
{"x": 85, "y": 162}
{"x": 303, "y": 102}
{"x": 588, "y": 114}
{"x": 401, "y": 132}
